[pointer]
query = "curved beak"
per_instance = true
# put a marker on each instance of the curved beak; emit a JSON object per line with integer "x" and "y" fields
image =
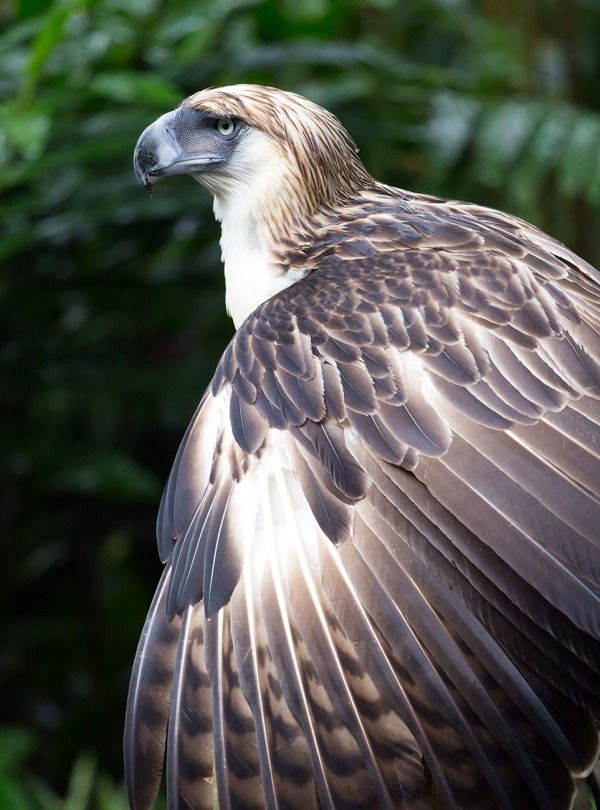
{"x": 159, "y": 151}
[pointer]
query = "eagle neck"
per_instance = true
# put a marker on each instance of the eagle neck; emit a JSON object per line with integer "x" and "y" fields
{"x": 253, "y": 254}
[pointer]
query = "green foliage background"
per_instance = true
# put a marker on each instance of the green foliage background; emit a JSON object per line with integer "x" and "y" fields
{"x": 111, "y": 313}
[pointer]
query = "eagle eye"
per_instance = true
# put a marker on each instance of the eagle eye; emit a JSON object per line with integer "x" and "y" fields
{"x": 226, "y": 126}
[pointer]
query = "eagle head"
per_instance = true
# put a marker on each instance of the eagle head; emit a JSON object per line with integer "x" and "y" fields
{"x": 266, "y": 147}
{"x": 274, "y": 161}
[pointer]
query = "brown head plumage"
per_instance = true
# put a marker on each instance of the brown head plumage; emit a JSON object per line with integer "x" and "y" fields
{"x": 317, "y": 148}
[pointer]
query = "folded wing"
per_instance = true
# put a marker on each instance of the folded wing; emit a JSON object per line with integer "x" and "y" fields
{"x": 382, "y": 534}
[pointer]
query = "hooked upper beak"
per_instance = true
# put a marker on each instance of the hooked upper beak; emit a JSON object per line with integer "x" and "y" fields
{"x": 159, "y": 151}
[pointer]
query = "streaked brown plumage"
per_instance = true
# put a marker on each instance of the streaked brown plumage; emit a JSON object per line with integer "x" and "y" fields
{"x": 382, "y": 528}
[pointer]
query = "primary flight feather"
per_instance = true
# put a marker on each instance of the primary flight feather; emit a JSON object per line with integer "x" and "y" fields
{"x": 381, "y": 533}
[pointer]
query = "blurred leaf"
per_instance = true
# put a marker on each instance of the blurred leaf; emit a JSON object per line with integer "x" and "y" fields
{"x": 580, "y": 157}
{"x": 450, "y": 127}
{"x": 541, "y": 156}
{"x": 81, "y": 784}
{"x": 32, "y": 8}
{"x": 15, "y": 746}
{"x": 48, "y": 37}
{"x": 13, "y": 796}
{"x": 503, "y": 134}
{"x": 127, "y": 87}
{"x": 23, "y": 130}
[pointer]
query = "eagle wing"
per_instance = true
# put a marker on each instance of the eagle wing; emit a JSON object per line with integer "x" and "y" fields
{"x": 382, "y": 532}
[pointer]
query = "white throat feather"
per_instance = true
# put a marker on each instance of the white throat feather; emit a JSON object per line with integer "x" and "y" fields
{"x": 257, "y": 203}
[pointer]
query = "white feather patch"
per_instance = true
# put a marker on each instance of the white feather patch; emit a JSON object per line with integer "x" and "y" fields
{"x": 272, "y": 511}
{"x": 246, "y": 208}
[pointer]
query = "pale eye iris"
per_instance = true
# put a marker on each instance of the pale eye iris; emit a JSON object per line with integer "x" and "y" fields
{"x": 225, "y": 126}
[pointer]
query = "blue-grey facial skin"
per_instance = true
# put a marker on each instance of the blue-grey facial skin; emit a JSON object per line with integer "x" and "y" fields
{"x": 184, "y": 141}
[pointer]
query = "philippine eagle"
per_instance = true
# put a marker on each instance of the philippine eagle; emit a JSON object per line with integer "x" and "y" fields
{"x": 381, "y": 533}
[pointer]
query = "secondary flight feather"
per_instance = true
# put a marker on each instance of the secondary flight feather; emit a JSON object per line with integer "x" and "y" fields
{"x": 381, "y": 533}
